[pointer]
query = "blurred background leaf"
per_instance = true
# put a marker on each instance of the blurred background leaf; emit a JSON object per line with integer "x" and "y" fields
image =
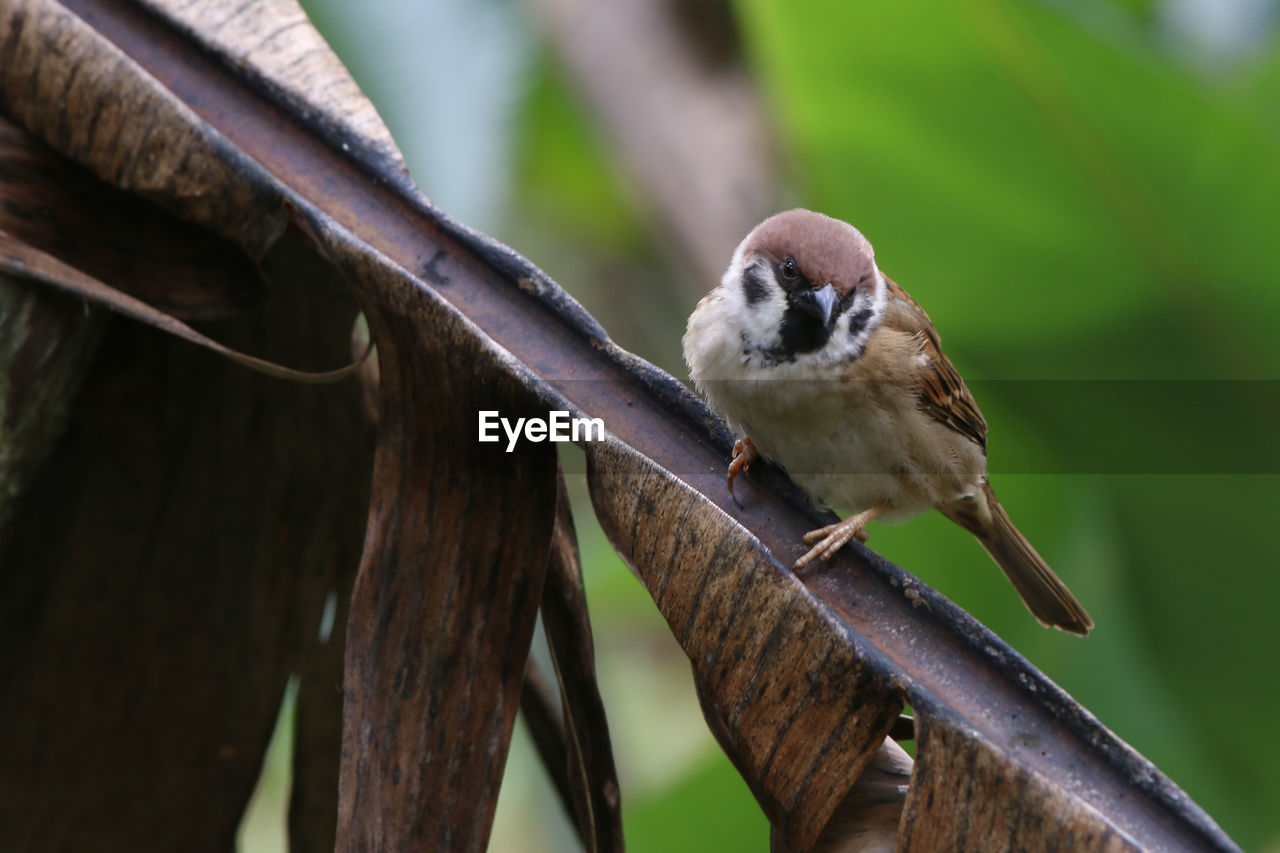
{"x": 1083, "y": 191}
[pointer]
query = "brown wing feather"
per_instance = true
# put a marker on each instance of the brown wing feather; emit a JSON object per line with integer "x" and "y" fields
{"x": 941, "y": 392}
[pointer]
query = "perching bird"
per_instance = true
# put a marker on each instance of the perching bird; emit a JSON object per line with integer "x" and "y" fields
{"x": 828, "y": 368}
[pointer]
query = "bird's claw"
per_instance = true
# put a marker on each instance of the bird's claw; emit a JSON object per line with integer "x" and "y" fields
{"x": 744, "y": 453}
{"x": 833, "y": 537}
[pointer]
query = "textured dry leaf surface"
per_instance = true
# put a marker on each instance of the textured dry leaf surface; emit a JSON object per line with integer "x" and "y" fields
{"x": 167, "y": 571}
{"x": 211, "y": 117}
{"x": 588, "y": 756}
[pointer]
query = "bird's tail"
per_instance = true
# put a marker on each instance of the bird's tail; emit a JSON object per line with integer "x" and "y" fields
{"x": 1045, "y": 595}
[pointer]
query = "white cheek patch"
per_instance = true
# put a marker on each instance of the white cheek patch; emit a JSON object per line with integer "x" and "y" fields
{"x": 861, "y": 319}
{"x": 759, "y": 321}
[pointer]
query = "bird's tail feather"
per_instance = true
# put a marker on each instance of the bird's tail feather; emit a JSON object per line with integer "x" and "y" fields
{"x": 1045, "y": 595}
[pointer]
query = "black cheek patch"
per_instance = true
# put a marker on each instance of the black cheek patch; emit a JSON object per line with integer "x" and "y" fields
{"x": 859, "y": 321}
{"x": 754, "y": 286}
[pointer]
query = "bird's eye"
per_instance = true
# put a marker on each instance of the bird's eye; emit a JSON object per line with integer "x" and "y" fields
{"x": 790, "y": 271}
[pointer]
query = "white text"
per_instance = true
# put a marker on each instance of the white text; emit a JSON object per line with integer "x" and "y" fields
{"x": 557, "y": 426}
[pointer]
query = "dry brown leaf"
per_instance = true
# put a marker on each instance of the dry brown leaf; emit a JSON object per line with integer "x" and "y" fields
{"x": 168, "y": 571}
{"x": 592, "y": 779}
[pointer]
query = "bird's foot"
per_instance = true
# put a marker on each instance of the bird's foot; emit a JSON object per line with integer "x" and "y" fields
{"x": 744, "y": 453}
{"x": 833, "y": 537}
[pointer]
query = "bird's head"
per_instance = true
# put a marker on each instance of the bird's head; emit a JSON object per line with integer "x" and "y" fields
{"x": 805, "y": 287}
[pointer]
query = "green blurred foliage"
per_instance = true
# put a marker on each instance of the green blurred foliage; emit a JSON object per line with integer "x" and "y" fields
{"x": 569, "y": 181}
{"x": 1072, "y": 205}
{"x": 708, "y": 809}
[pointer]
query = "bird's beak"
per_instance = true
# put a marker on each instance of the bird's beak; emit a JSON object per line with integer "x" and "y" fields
{"x": 820, "y": 303}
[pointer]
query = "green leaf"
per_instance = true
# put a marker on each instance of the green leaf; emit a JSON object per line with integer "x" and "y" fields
{"x": 710, "y": 809}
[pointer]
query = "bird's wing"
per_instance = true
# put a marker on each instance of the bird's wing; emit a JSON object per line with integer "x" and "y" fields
{"x": 940, "y": 390}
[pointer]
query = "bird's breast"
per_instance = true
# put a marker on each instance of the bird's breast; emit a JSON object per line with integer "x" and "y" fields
{"x": 852, "y": 444}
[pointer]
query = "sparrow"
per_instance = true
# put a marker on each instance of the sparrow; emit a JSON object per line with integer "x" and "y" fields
{"x": 829, "y": 369}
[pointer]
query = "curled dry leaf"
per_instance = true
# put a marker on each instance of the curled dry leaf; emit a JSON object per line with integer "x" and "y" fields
{"x": 47, "y": 340}
{"x": 158, "y": 635}
{"x": 802, "y": 676}
{"x": 1002, "y": 806}
{"x": 57, "y": 207}
{"x": 22, "y": 260}
{"x": 443, "y": 609}
{"x": 867, "y": 820}
{"x": 540, "y": 707}
{"x": 795, "y": 700}
{"x": 597, "y": 806}
{"x": 166, "y": 574}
